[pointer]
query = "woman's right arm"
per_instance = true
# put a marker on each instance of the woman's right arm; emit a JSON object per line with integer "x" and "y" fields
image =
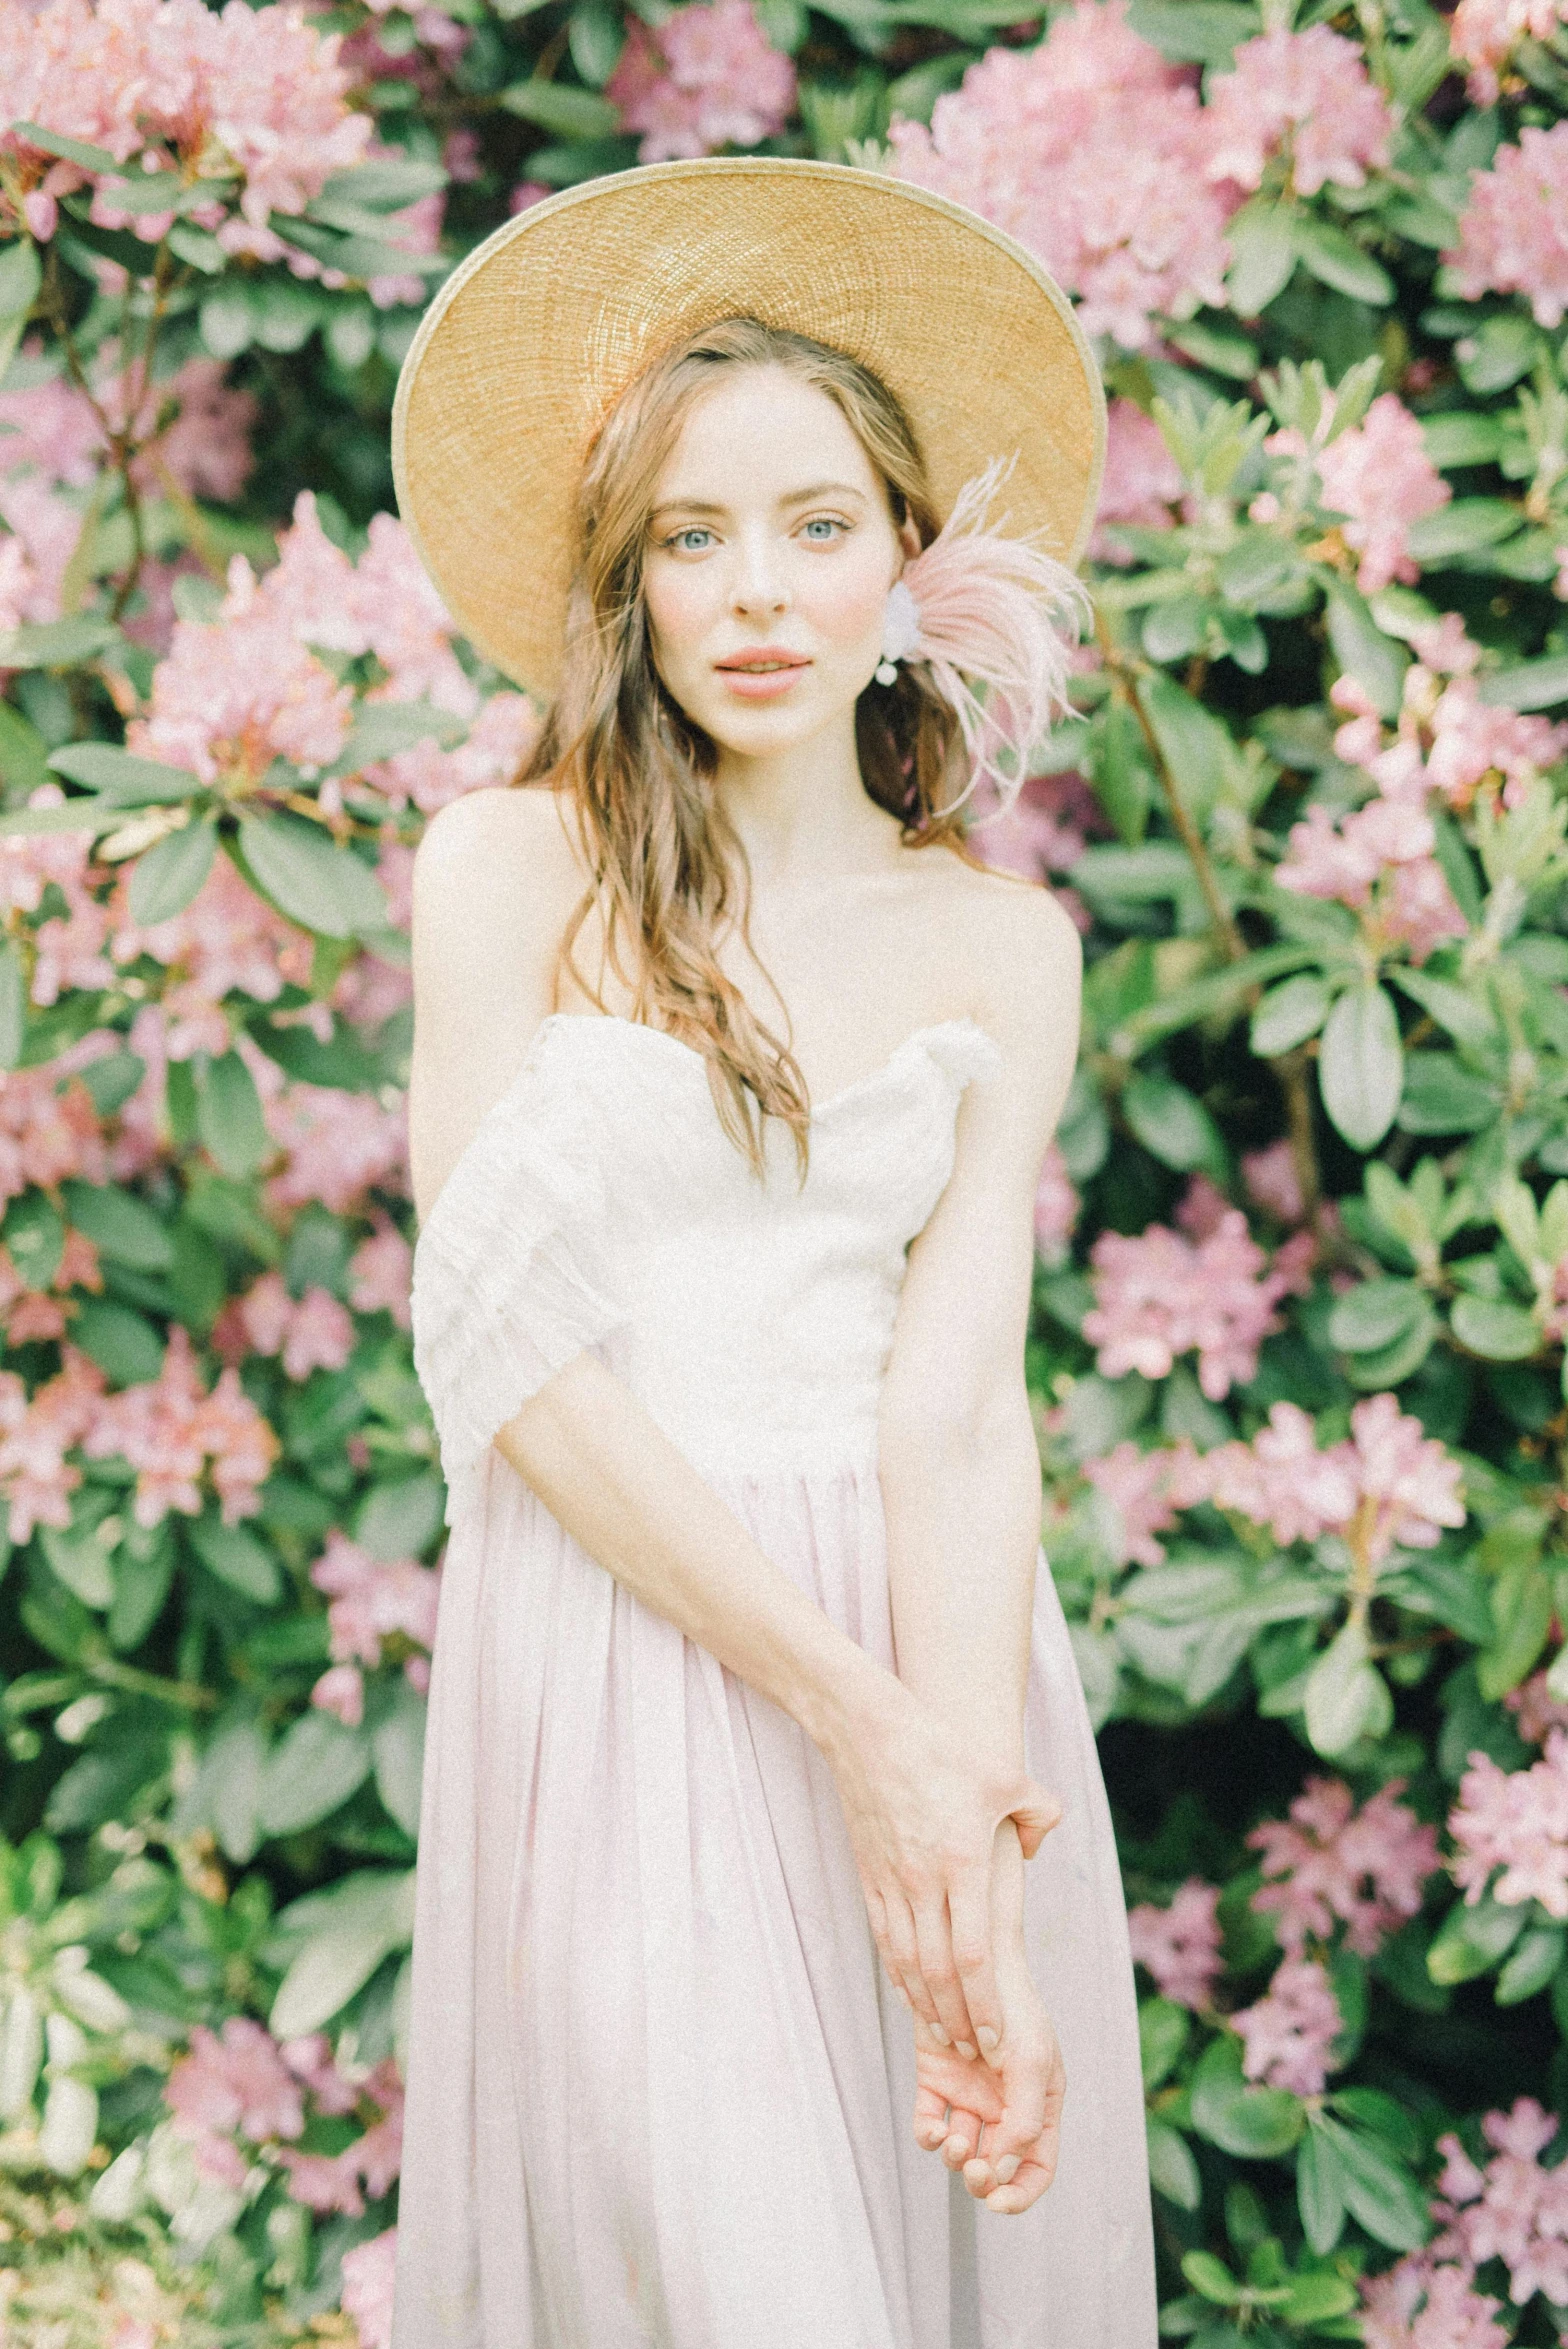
{"x": 494, "y": 884}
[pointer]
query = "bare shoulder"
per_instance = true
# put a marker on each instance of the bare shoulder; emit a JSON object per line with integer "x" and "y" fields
{"x": 1018, "y": 959}
{"x": 502, "y": 844}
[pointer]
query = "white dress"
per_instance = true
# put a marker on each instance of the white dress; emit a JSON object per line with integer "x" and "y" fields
{"x": 659, "y": 2091}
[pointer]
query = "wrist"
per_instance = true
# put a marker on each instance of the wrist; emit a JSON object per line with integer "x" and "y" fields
{"x": 848, "y": 1708}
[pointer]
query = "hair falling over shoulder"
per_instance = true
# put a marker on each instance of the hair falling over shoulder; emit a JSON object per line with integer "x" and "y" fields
{"x": 635, "y": 772}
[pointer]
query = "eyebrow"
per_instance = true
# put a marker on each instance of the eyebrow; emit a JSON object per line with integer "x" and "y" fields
{"x": 794, "y": 497}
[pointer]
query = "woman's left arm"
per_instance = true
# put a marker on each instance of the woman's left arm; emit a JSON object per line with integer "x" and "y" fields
{"x": 959, "y": 1462}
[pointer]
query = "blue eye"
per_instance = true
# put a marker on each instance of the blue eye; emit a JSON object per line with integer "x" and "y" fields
{"x": 824, "y": 522}
{"x": 693, "y": 530}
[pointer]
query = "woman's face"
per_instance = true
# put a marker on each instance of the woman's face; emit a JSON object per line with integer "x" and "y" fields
{"x": 770, "y": 553}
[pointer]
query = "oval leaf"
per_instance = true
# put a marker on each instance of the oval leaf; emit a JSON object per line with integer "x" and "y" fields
{"x": 309, "y": 878}
{"x": 169, "y": 875}
{"x": 1361, "y": 1068}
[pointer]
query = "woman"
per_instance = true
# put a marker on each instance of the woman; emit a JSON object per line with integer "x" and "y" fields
{"x": 733, "y": 1075}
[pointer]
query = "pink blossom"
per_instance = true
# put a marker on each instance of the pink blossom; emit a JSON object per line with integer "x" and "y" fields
{"x": 372, "y": 1601}
{"x": 1287, "y": 2035}
{"x": 341, "y": 1692}
{"x": 497, "y": 747}
{"x": 336, "y": 1146}
{"x": 1055, "y": 1208}
{"x": 171, "y": 1432}
{"x": 49, "y": 1131}
{"x": 227, "y": 941}
{"x": 1409, "y": 1486}
{"x": 1418, "y": 2304}
{"x": 1535, "y": 1709}
{"x": 1146, "y": 1490}
{"x": 1378, "y": 860}
{"x": 1142, "y": 480}
{"x": 368, "y": 2273}
{"x": 1515, "y": 2209}
{"x": 236, "y": 2082}
{"x": 36, "y": 1478}
{"x": 310, "y": 2060}
{"x": 1273, "y": 1182}
{"x": 1446, "y": 735}
{"x": 1515, "y": 1821}
{"x": 1364, "y": 1867}
{"x": 1158, "y": 1295}
{"x": 1513, "y": 235}
{"x": 1179, "y": 1946}
{"x": 1044, "y": 831}
{"x": 708, "y": 78}
{"x": 1378, "y": 474}
{"x": 1093, "y": 152}
{"x": 416, "y": 230}
{"x": 1304, "y": 94}
{"x": 381, "y": 1273}
{"x": 1484, "y": 33}
{"x": 314, "y": 1332}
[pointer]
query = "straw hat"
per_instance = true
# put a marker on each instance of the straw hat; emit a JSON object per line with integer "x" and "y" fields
{"x": 528, "y": 345}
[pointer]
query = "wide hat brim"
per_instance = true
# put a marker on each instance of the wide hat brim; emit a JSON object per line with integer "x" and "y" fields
{"x": 530, "y": 342}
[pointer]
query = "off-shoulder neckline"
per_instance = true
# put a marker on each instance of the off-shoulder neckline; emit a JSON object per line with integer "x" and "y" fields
{"x": 964, "y": 1023}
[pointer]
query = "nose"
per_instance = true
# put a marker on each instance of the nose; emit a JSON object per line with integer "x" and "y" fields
{"x": 760, "y": 584}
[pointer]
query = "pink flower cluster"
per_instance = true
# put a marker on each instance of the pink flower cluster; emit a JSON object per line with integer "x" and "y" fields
{"x": 173, "y": 1434}
{"x": 1288, "y": 2034}
{"x": 1421, "y": 2303}
{"x": 1387, "y": 1485}
{"x": 36, "y": 1313}
{"x": 1179, "y": 1946}
{"x": 313, "y": 1332}
{"x": 1380, "y": 861}
{"x": 1514, "y": 2209}
{"x": 1273, "y": 1181}
{"x": 1306, "y": 96}
{"x": 1056, "y": 1205}
{"x": 1378, "y": 474}
{"x": 381, "y": 1272}
{"x": 336, "y": 1146}
{"x": 708, "y": 77}
{"x": 1365, "y": 1868}
{"x": 1446, "y": 737}
{"x": 1535, "y": 1709}
{"x": 1483, "y": 34}
{"x": 49, "y": 1130}
{"x": 1513, "y": 235}
{"x": 1160, "y": 1293}
{"x": 242, "y": 2092}
{"x": 1515, "y": 1821}
{"x": 37, "y": 1478}
{"x": 253, "y": 93}
{"x": 1095, "y": 153}
{"x": 371, "y": 1603}
{"x": 369, "y": 2272}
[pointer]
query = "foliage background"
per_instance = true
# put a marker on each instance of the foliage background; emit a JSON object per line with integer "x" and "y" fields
{"x": 1303, "y": 1289}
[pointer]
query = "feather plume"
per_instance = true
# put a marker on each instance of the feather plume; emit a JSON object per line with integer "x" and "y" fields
{"x": 991, "y": 614}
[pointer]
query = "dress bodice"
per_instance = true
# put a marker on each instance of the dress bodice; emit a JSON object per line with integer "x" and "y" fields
{"x": 601, "y": 1204}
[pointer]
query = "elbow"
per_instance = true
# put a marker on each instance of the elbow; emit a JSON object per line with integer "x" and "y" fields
{"x": 990, "y": 1430}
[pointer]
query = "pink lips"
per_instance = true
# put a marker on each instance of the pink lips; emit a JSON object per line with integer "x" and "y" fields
{"x": 759, "y": 683}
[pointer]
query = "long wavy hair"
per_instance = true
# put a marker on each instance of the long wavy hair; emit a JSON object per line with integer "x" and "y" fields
{"x": 636, "y": 772}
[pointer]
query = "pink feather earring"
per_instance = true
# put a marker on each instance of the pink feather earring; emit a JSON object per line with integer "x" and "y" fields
{"x": 981, "y": 610}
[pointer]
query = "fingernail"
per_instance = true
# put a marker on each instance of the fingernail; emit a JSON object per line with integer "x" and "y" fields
{"x": 966, "y": 2051}
{"x": 940, "y": 2036}
{"x": 1007, "y": 2168}
{"x": 990, "y": 2040}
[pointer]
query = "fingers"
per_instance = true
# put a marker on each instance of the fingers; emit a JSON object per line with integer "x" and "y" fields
{"x": 905, "y": 1969}
{"x": 1020, "y": 2167}
{"x": 952, "y": 2025}
{"x": 968, "y": 1924}
{"x": 1035, "y": 1812}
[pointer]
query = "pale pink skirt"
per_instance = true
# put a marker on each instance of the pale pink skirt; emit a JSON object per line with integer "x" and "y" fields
{"x": 659, "y": 2090}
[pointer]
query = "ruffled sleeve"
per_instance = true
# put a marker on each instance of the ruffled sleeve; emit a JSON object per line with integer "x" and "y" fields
{"x": 964, "y": 1051}
{"x": 508, "y": 1270}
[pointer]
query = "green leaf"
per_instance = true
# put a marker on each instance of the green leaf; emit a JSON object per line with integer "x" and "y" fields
{"x": 123, "y": 1342}
{"x": 1172, "y": 2170}
{"x": 1529, "y": 685}
{"x": 1171, "y": 1123}
{"x": 1361, "y": 1065}
{"x": 1471, "y": 1940}
{"x": 20, "y": 278}
{"x": 1441, "y": 1097}
{"x": 229, "y": 1785}
{"x": 1196, "y": 746}
{"x": 1194, "y": 32}
{"x": 1336, "y": 260}
{"x": 1320, "y": 2192}
{"x": 1212, "y": 2278}
{"x": 309, "y": 878}
{"x": 382, "y": 728}
{"x": 1459, "y": 528}
{"x": 400, "y": 1518}
{"x": 235, "y": 1555}
{"x": 1262, "y": 239}
{"x": 1467, "y": 1017}
{"x": 229, "y": 1118}
{"x": 1495, "y": 1329}
{"x": 168, "y": 876}
{"x": 120, "y": 1226}
{"x": 128, "y": 781}
{"x": 1532, "y": 1965}
{"x": 1380, "y": 2191}
{"x": 1317, "y": 2296}
{"x": 1522, "y": 1613}
{"x": 1288, "y": 1014}
{"x": 34, "y": 1238}
{"x": 1163, "y": 2031}
{"x": 1463, "y": 436}
{"x": 566, "y": 113}
{"x": 78, "y": 151}
{"x": 57, "y": 644}
{"x": 386, "y": 185}
{"x": 1376, "y": 1313}
{"x": 345, "y": 1935}
{"x": 13, "y": 1004}
{"x": 1253, "y": 2123}
{"x": 312, "y": 1770}
{"x": 228, "y": 320}
{"x": 1376, "y": 663}
{"x": 1346, "y": 1698}
{"x": 398, "y": 1743}
{"x": 81, "y": 1562}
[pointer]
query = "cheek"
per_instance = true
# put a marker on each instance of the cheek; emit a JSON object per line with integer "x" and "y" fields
{"x": 847, "y": 601}
{"x": 679, "y": 605}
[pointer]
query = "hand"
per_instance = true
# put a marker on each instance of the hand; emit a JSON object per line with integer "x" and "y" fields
{"x": 999, "y": 2121}
{"x": 923, "y": 1813}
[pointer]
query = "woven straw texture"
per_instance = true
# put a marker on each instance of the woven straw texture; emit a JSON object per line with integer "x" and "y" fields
{"x": 530, "y": 343}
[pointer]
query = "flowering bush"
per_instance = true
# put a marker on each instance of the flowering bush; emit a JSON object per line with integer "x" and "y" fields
{"x": 1301, "y": 1316}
